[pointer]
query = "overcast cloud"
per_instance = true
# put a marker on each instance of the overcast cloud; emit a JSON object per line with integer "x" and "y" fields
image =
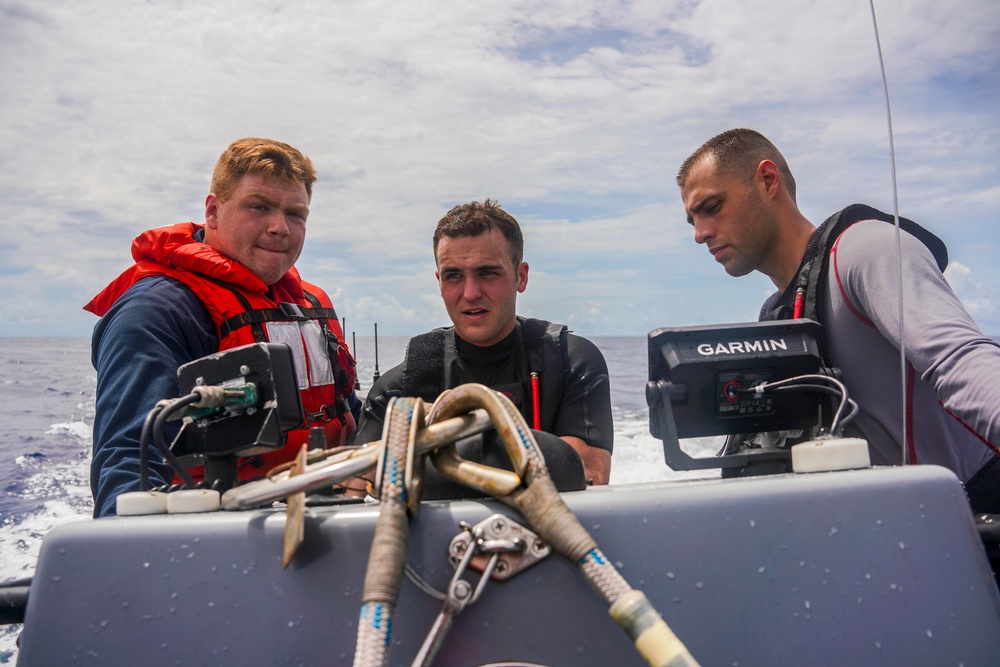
{"x": 574, "y": 114}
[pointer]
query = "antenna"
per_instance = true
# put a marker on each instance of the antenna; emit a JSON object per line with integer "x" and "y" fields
{"x": 354, "y": 346}
{"x": 375, "y": 376}
{"x": 899, "y": 243}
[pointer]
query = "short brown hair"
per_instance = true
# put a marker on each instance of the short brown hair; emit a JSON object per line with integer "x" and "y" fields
{"x": 739, "y": 151}
{"x": 476, "y": 218}
{"x": 260, "y": 156}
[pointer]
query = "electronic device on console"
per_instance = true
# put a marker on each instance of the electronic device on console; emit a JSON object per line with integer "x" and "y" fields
{"x": 717, "y": 380}
{"x": 260, "y": 405}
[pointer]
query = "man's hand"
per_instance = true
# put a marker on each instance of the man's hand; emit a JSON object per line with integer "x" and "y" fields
{"x": 596, "y": 461}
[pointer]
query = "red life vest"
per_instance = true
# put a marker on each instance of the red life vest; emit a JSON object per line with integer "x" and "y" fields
{"x": 244, "y": 311}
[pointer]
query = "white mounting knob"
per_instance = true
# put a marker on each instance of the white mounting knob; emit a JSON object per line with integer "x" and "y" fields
{"x": 187, "y": 501}
{"x": 826, "y": 454}
{"x": 136, "y": 503}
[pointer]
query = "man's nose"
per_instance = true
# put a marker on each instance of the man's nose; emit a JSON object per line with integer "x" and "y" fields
{"x": 472, "y": 290}
{"x": 702, "y": 232}
{"x": 277, "y": 225}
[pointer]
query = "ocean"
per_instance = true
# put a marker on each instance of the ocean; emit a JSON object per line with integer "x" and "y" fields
{"x": 47, "y": 396}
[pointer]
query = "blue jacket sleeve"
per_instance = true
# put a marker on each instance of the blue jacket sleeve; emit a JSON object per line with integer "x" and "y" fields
{"x": 155, "y": 327}
{"x": 355, "y": 404}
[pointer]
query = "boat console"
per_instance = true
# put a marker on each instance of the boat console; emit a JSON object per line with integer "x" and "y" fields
{"x": 866, "y": 567}
{"x": 876, "y": 566}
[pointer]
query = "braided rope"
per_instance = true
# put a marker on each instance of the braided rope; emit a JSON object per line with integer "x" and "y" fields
{"x": 391, "y": 541}
{"x": 538, "y": 500}
{"x": 603, "y": 576}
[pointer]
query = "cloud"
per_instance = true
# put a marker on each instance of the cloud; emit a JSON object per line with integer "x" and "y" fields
{"x": 982, "y": 301}
{"x": 575, "y": 114}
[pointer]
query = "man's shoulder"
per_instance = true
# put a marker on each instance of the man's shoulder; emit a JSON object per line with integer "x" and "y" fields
{"x": 432, "y": 336}
{"x": 871, "y": 231}
{"x": 868, "y": 241}
{"x": 583, "y": 351}
{"x": 575, "y": 348}
{"x": 153, "y": 307}
{"x": 540, "y": 324}
{"x": 868, "y": 229}
{"x": 578, "y": 341}
{"x": 154, "y": 328}
{"x": 426, "y": 351}
{"x": 158, "y": 293}
{"x": 536, "y": 332}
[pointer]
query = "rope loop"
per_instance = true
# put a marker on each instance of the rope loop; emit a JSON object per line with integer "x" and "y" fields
{"x": 517, "y": 439}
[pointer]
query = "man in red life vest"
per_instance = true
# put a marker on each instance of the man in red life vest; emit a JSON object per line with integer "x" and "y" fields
{"x": 558, "y": 380}
{"x": 196, "y": 289}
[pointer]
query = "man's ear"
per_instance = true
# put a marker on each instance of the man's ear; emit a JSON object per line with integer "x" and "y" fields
{"x": 522, "y": 277}
{"x": 211, "y": 211}
{"x": 768, "y": 178}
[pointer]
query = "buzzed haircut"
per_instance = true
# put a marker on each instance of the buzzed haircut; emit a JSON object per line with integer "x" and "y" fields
{"x": 738, "y": 152}
{"x": 477, "y": 218}
{"x": 260, "y": 156}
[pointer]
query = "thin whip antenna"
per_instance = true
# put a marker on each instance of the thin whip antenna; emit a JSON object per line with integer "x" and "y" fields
{"x": 904, "y": 445}
{"x": 376, "y": 375}
{"x": 354, "y": 346}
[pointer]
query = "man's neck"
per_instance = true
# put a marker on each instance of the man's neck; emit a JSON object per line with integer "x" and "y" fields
{"x": 476, "y": 355}
{"x": 795, "y": 238}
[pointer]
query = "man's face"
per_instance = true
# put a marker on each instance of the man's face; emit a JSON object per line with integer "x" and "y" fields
{"x": 262, "y": 225}
{"x": 729, "y": 216}
{"x": 479, "y": 285}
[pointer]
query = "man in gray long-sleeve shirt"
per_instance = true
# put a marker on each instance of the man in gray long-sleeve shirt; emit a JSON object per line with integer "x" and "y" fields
{"x": 739, "y": 195}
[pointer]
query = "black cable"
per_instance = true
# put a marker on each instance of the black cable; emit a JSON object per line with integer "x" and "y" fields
{"x": 147, "y": 427}
{"x": 161, "y": 442}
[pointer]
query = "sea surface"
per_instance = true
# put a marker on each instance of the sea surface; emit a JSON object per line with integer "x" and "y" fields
{"x": 47, "y": 388}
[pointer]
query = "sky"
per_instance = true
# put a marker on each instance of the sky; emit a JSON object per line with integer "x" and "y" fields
{"x": 574, "y": 114}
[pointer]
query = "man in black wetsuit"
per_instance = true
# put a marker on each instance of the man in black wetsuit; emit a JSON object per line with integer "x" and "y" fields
{"x": 478, "y": 249}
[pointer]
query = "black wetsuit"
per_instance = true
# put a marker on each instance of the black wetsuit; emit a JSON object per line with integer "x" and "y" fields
{"x": 576, "y": 394}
